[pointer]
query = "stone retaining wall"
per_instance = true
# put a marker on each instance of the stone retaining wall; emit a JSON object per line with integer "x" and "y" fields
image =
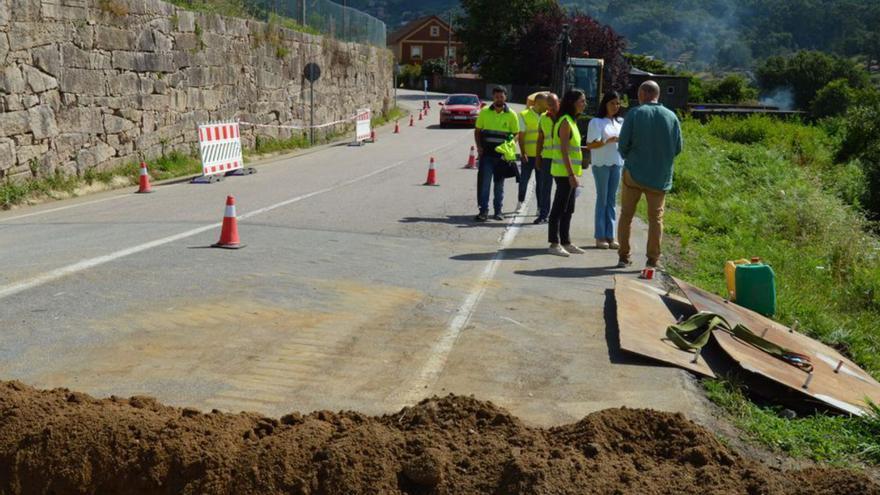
{"x": 92, "y": 84}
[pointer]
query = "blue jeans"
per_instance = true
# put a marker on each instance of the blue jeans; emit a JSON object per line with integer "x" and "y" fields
{"x": 485, "y": 178}
{"x": 527, "y": 167}
{"x": 544, "y": 184}
{"x": 607, "y": 183}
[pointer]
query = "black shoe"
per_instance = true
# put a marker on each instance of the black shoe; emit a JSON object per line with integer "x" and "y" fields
{"x": 482, "y": 217}
{"x": 624, "y": 263}
{"x": 498, "y": 216}
{"x": 539, "y": 221}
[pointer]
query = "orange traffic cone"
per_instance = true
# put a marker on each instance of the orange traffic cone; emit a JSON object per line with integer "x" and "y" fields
{"x": 144, "y": 180}
{"x": 411, "y": 121}
{"x": 397, "y": 127}
{"x": 432, "y": 174}
{"x": 472, "y": 159}
{"x": 420, "y": 115}
{"x": 373, "y": 135}
{"x": 229, "y": 233}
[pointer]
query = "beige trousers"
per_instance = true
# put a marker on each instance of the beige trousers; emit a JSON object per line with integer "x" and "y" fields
{"x": 630, "y": 194}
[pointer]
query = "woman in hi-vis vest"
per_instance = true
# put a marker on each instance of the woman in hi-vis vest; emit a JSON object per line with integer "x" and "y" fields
{"x": 566, "y": 169}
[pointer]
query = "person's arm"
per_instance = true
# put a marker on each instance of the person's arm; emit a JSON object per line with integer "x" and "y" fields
{"x": 679, "y": 141}
{"x": 539, "y": 147}
{"x": 624, "y": 143}
{"x": 564, "y": 147}
{"x": 477, "y": 139}
{"x": 594, "y": 136}
{"x": 520, "y": 136}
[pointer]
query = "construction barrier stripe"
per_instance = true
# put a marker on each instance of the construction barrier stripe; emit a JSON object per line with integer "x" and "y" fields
{"x": 220, "y": 147}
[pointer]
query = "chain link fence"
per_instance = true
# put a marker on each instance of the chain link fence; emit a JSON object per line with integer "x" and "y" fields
{"x": 331, "y": 19}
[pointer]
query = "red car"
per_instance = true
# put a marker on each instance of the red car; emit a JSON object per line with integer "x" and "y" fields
{"x": 460, "y": 109}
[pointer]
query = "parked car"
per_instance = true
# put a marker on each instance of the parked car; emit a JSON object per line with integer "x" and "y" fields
{"x": 460, "y": 109}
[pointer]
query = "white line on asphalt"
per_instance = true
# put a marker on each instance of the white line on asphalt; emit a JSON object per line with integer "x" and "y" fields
{"x": 15, "y": 288}
{"x": 441, "y": 349}
{"x": 53, "y": 210}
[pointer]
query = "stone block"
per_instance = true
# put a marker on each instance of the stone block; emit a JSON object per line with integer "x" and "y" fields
{"x": 145, "y": 41}
{"x": 186, "y": 21}
{"x": 81, "y": 120}
{"x": 28, "y": 35}
{"x": 143, "y": 61}
{"x": 94, "y": 156}
{"x": 110, "y": 38}
{"x": 85, "y": 59}
{"x": 37, "y": 80}
{"x": 65, "y": 12}
{"x": 24, "y": 10}
{"x": 51, "y": 99}
{"x": 83, "y": 82}
{"x": 7, "y": 154}
{"x": 11, "y": 80}
{"x": 124, "y": 84}
{"x": 27, "y": 154}
{"x": 68, "y": 144}
{"x": 12, "y": 123}
{"x": 42, "y": 122}
{"x": 115, "y": 125}
{"x": 4, "y": 13}
{"x": 4, "y": 47}
{"x": 48, "y": 59}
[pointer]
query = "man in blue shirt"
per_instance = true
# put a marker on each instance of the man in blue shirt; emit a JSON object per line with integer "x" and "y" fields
{"x": 649, "y": 142}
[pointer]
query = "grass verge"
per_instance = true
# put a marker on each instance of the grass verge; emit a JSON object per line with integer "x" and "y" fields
{"x": 170, "y": 166}
{"x": 760, "y": 187}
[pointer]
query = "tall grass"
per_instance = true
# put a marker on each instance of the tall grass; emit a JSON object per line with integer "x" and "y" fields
{"x": 761, "y": 187}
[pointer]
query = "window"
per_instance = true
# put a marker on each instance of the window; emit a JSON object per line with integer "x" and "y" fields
{"x": 670, "y": 90}
{"x": 435, "y": 31}
{"x": 450, "y": 52}
{"x": 415, "y": 52}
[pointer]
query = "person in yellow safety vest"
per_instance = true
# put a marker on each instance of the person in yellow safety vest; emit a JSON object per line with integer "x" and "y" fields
{"x": 566, "y": 167}
{"x": 494, "y": 124}
{"x": 543, "y": 158}
{"x": 528, "y": 143}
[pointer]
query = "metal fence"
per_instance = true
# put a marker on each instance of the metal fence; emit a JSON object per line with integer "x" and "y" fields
{"x": 331, "y": 19}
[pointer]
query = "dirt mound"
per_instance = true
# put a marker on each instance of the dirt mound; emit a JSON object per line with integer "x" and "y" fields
{"x": 63, "y": 442}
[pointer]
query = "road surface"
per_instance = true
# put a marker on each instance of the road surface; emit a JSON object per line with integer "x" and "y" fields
{"x": 359, "y": 289}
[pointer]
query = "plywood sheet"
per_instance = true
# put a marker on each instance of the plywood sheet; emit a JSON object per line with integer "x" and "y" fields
{"x": 845, "y": 390}
{"x": 643, "y": 317}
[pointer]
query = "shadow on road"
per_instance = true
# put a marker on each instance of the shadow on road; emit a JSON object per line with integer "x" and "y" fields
{"x": 462, "y": 221}
{"x": 573, "y": 272}
{"x": 508, "y": 254}
{"x": 449, "y": 127}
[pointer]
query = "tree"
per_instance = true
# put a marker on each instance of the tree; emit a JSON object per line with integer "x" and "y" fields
{"x": 590, "y": 36}
{"x": 649, "y": 64}
{"x": 806, "y": 73}
{"x": 491, "y": 32}
{"x": 733, "y": 89}
{"x": 834, "y": 99}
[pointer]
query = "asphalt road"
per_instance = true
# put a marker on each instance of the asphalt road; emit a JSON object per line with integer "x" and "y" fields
{"x": 359, "y": 289}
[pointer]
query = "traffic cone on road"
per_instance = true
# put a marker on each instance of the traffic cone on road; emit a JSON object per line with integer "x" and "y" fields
{"x": 373, "y": 135}
{"x": 420, "y": 115}
{"x": 144, "y": 180}
{"x": 229, "y": 233}
{"x": 472, "y": 159}
{"x": 397, "y": 127}
{"x": 432, "y": 174}
{"x": 411, "y": 121}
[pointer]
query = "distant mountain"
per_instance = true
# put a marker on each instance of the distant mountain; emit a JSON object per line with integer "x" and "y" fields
{"x": 700, "y": 34}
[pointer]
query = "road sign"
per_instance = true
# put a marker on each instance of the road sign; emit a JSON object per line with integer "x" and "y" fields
{"x": 312, "y": 72}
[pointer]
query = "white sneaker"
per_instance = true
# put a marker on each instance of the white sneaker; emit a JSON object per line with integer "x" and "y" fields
{"x": 558, "y": 250}
{"x": 602, "y": 244}
{"x": 571, "y": 248}
{"x": 613, "y": 244}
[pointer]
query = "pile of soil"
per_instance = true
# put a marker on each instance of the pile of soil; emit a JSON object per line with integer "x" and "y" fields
{"x": 64, "y": 442}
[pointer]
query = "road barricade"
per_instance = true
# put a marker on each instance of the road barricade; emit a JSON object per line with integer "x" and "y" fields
{"x": 363, "y": 132}
{"x": 220, "y": 152}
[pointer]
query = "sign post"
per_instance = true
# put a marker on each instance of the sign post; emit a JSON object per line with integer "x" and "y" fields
{"x": 311, "y": 73}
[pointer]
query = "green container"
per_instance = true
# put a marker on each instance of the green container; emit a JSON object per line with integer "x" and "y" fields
{"x": 756, "y": 288}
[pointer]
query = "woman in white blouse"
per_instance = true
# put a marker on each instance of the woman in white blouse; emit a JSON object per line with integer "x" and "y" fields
{"x": 602, "y": 137}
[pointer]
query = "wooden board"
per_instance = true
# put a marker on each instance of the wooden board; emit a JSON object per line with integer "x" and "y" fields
{"x": 845, "y": 390}
{"x": 643, "y": 317}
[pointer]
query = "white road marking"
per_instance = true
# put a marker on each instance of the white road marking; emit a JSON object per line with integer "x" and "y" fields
{"x": 62, "y": 208}
{"x": 50, "y": 276}
{"x": 439, "y": 354}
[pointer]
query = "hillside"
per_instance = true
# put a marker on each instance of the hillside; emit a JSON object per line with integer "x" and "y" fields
{"x": 710, "y": 33}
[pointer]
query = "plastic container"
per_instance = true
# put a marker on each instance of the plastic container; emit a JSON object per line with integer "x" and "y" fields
{"x": 756, "y": 288}
{"x": 730, "y": 276}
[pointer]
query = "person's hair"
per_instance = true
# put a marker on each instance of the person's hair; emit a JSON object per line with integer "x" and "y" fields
{"x": 603, "y": 107}
{"x": 651, "y": 88}
{"x": 499, "y": 89}
{"x": 568, "y": 106}
{"x": 540, "y": 97}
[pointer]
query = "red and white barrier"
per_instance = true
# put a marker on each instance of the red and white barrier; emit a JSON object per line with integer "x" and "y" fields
{"x": 363, "y": 126}
{"x": 220, "y": 148}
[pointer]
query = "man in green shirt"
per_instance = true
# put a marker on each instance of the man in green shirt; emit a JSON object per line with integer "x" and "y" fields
{"x": 649, "y": 142}
{"x": 495, "y": 125}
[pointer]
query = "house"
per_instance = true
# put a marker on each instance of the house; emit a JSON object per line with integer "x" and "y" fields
{"x": 674, "y": 90}
{"x": 424, "y": 39}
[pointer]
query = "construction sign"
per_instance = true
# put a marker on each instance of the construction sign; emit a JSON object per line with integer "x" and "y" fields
{"x": 220, "y": 148}
{"x": 363, "y": 130}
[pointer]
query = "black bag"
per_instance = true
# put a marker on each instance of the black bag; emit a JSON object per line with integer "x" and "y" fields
{"x": 506, "y": 170}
